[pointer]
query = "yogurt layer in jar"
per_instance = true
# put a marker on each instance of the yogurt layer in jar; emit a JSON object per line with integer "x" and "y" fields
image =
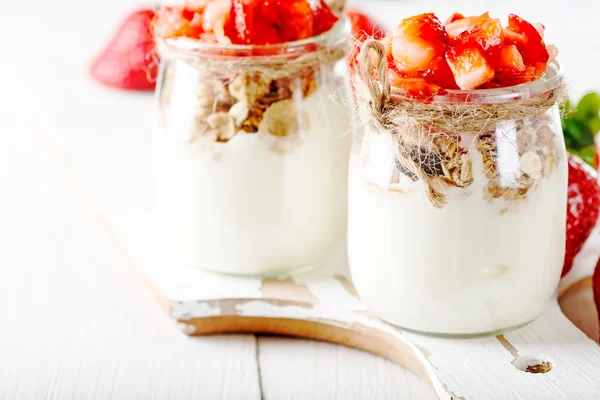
{"x": 457, "y": 202}
{"x": 251, "y": 153}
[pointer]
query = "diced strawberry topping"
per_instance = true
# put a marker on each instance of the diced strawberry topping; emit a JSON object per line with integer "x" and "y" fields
{"x": 454, "y": 17}
{"x": 469, "y": 66}
{"x": 363, "y": 27}
{"x": 536, "y": 48}
{"x": 414, "y": 86}
{"x": 417, "y": 41}
{"x": 512, "y": 37}
{"x": 467, "y": 52}
{"x": 323, "y": 17}
{"x": 487, "y": 34}
{"x": 552, "y": 52}
{"x": 247, "y": 21}
{"x": 439, "y": 72}
{"x": 510, "y": 61}
{"x": 455, "y": 28}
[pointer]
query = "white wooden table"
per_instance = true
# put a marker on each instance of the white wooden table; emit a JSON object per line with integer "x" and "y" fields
{"x": 77, "y": 323}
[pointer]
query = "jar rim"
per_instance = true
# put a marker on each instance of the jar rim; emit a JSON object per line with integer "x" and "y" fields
{"x": 336, "y": 36}
{"x": 550, "y": 80}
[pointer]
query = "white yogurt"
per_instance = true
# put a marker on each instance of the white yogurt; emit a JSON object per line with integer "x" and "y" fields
{"x": 243, "y": 208}
{"x": 460, "y": 269}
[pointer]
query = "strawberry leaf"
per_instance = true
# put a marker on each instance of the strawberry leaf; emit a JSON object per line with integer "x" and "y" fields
{"x": 580, "y": 125}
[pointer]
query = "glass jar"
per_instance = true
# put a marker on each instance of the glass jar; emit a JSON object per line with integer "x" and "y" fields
{"x": 460, "y": 231}
{"x": 251, "y": 153}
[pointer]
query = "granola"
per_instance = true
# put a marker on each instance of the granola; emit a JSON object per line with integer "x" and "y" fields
{"x": 443, "y": 161}
{"x": 246, "y": 103}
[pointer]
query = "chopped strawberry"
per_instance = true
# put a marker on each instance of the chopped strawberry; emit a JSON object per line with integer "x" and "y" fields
{"x": 583, "y": 207}
{"x": 488, "y": 34}
{"x": 552, "y": 52}
{"x": 511, "y": 79}
{"x": 130, "y": 60}
{"x": 363, "y": 27}
{"x": 536, "y": 48}
{"x": 512, "y": 37}
{"x": 454, "y": 17}
{"x": 323, "y": 17}
{"x": 540, "y": 68}
{"x": 414, "y": 86}
{"x": 510, "y": 61}
{"x": 269, "y": 22}
{"x": 417, "y": 41}
{"x": 215, "y": 19}
{"x": 295, "y": 19}
{"x": 469, "y": 66}
{"x": 455, "y": 28}
{"x": 490, "y": 85}
{"x": 540, "y": 28}
{"x": 439, "y": 72}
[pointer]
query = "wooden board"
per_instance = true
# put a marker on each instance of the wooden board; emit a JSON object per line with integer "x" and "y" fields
{"x": 321, "y": 304}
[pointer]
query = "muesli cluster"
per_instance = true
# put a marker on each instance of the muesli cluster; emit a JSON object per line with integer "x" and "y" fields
{"x": 537, "y": 154}
{"x": 248, "y": 103}
{"x": 443, "y": 160}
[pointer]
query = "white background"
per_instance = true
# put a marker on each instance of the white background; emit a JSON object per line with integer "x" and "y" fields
{"x": 77, "y": 323}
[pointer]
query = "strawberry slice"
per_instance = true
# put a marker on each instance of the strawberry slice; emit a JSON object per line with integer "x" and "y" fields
{"x": 455, "y": 28}
{"x": 417, "y": 41}
{"x": 512, "y": 37}
{"x": 535, "y": 47}
{"x": 469, "y": 66}
{"x": 488, "y": 34}
{"x": 130, "y": 60}
{"x": 540, "y": 28}
{"x": 415, "y": 87}
{"x": 270, "y": 22}
{"x": 439, "y": 72}
{"x": 362, "y": 28}
{"x": 323, "y": 17}
{"x": 454, "y": 17}
{"x": 552, "y": 52}
{"x": 510, "y": 61}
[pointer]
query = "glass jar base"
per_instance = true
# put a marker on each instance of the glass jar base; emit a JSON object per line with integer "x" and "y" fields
{"x": 475, "y": 335}
{"x": 275, "y": 274}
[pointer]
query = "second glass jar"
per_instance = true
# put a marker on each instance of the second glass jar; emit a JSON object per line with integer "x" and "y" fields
{"x": 250, "y": 164}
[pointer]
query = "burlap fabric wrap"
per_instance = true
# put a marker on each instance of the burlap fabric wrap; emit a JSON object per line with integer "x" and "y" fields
{"x": 416, "y": 124}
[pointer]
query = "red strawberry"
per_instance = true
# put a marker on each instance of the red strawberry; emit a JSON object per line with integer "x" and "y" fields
{"x": 509, "y": 61}
{"x": 536, "y": 48}
{"x": 596, "y": 288}
{"x": 271, "y": 22}
{"x": 487, "y": 34}
{"x": 454, "y": 17}
{"x": 417, "y": 41}
{"x": 362, "y": 27}
{"x": 469, "y": 66}
{"x": 458, "y": 26}
{"x": 323, "y": 17}
{"x": 414, "y": 86}
{"x": 583, "y": 207}
{"x": 130, "y": 60}
{"x": 439, "y": 72}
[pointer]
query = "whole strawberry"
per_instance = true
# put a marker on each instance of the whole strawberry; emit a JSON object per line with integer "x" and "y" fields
{"x": 129, "y": 61}
{"x": 583, "y": 207}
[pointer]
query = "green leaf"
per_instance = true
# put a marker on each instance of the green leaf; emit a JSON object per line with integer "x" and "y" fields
{"x": 587, "y": 108}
